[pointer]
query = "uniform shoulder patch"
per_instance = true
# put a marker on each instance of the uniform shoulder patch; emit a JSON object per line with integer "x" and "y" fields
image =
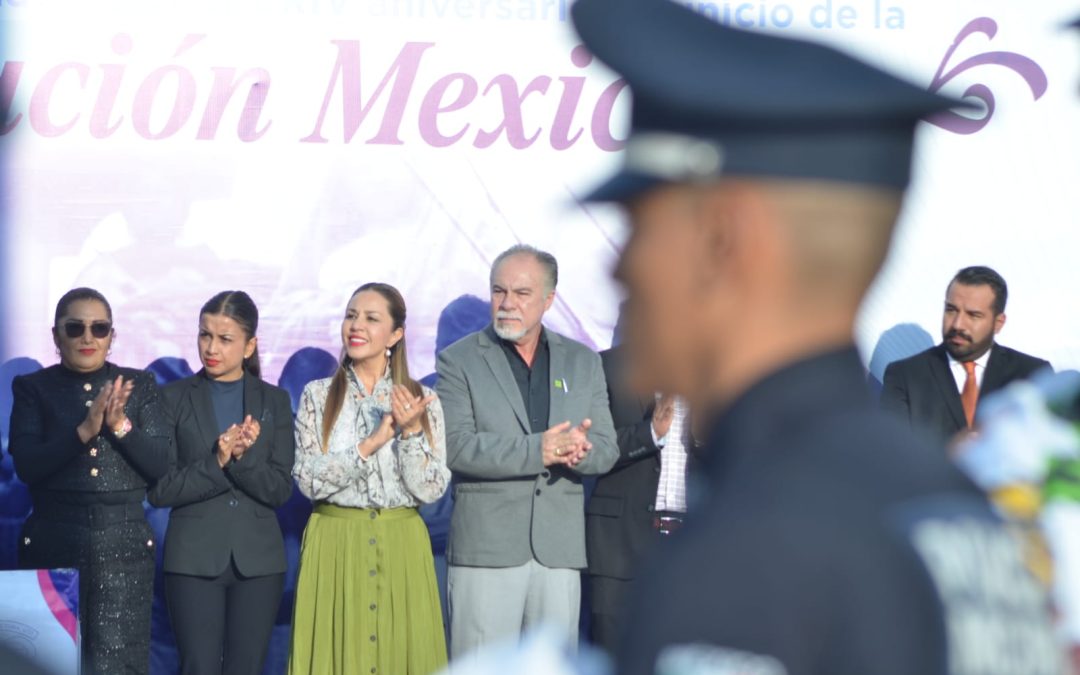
{"x": 995, "y": 615}
{"x": 706, "y": 659}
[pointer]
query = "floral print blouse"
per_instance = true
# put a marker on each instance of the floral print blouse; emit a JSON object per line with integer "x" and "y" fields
{"x": 402, "y": 473}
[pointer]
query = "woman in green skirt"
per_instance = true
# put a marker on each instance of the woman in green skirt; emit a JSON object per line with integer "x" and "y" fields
{"x": 370, "y": 447}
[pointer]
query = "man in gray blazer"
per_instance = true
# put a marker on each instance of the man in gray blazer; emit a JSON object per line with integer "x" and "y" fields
{"x": 526, "y": 416}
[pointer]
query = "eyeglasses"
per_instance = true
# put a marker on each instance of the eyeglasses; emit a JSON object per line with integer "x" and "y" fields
{"x": 76, "y": 329}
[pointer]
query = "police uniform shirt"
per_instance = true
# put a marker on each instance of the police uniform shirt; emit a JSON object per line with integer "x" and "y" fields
{"x": 835, "y": 543}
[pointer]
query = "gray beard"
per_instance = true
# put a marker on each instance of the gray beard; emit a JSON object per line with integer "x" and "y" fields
{"x": 508, "y": 333}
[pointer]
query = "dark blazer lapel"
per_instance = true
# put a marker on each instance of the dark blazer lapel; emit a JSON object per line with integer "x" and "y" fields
{"x": 253, "y": 398}
{"x": 997, "y": 372}
{"x": 557, "y": 372}
{"x": 199, "y": 398}
{"x": 500, "y": 369}
{"x": 943, "y": 377}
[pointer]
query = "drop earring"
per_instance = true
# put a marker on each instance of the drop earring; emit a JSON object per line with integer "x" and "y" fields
{"x": 387, "y": 352}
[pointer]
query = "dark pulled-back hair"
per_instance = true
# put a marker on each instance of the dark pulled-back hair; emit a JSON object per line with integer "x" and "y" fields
{"x": 399, "y": 365}
{"x": 979, "y": 275}
{"x": 77, "y": 294}
{"x": 238, "y": 306}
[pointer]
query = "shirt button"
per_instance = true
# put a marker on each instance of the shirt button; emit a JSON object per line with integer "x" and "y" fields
{"x": 89, "y": 403}
{"x": 656, "y": 469}
{"x": 537, "y": 493}
{"x": 374, "y": 515}
{"x": 651, "y": 508}
{"x": 87, "y": 387}
{"x": 372, "y": 608}
{"x": 371, "y": 573}
{"x": 149, "y": 542}
{"x": 94, "y": 472}
{"x": 373, "y": 638}
{"x": 546, "y": 474}
{"x": 93, "y": 452}
{"x": 26, "y": 542}
{"x": 233, "y": 502}
{"x": 371, "y": 541}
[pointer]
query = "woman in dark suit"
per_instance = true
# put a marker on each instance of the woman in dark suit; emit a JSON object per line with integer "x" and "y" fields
{"x": 88, "y": 436}
{"x": 224, "y": 552}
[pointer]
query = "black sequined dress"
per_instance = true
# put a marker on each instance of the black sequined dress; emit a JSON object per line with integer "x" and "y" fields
{"x": 87, "y": 504}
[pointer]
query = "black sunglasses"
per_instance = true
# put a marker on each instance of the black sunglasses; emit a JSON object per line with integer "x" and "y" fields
{"x": 76, "y": 329}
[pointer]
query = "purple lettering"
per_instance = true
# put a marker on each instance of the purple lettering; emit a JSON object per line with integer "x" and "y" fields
{"x": 571, "y": 96}
{"x": 40, "y": 120}
{"x": 225, "y": 85}
{"x": 9, "y": 81}
{"x": 100, "y": 126}
{"x": 432, "y": 106}
{"x": 601, "y": 119}
{"x": 512, "y": 103}
{"x": 347, "y": 71}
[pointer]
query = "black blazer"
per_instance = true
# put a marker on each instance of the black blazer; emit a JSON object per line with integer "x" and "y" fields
{"x": 221, "y": 512}
{"x": 618, "y": 518}
{"x": 921, "y": 389}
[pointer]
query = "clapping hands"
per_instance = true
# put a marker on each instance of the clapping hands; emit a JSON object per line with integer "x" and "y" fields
{"x": 563, "y": 444}
{"x": 235, "y": 441}
{"x": 107, "y": 408}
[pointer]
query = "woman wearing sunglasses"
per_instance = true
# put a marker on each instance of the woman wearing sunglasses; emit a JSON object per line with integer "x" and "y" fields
{"x": 224, "y": 553}
{"x": 88, "y": 437}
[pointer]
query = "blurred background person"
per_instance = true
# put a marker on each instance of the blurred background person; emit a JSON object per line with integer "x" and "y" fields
{"x": 88, "y": 437}
{"x": 231, "y": 466}
{"x": 642, "y": 498}
{"x": 527, "y": 416}
{"x": 370, "y": 449}
{"x": 938, "y": 390}
{"x": 834, "y": 540}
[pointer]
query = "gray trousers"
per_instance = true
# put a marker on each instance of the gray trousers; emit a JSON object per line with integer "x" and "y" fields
{"x": 493, "y": 604}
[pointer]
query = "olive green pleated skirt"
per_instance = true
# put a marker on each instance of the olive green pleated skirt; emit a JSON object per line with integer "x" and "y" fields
{"x": 367, "y": 600}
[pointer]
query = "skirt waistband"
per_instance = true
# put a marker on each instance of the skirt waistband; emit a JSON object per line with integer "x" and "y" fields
{"x": 335, "y": 511}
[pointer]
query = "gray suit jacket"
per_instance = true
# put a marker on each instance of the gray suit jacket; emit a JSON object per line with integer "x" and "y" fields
{"x": 509, "y": 507}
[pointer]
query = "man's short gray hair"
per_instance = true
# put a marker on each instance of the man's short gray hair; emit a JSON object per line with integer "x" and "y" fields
{"x": 546, "y": 260}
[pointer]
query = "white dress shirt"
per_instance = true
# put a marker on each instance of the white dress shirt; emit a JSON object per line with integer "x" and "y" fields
{"x": 960, "y": 375}
{"x": 671, "y": 490}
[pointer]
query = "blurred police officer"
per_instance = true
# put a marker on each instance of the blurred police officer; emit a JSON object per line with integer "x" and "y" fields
{"x": 763, "y": 179}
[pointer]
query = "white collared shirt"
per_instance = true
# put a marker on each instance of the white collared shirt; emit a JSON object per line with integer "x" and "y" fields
{"x": 960, "y": 375}
{"x": 671, "y": 489}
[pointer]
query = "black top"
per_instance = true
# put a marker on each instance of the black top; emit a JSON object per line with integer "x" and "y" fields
{"x": 51, "y": 403}
{"x": 835, "y": 542}
{"x": 228, "y": 401}
{"x": 533, "y": 382}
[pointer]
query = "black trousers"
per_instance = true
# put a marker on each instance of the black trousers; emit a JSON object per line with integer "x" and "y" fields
{"x": 112, "y": 546}
{"x": 223, "y": 624}
{"x": 607, "y": 610}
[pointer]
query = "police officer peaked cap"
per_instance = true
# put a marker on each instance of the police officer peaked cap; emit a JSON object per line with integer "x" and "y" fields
{"x": 710, "y": 100}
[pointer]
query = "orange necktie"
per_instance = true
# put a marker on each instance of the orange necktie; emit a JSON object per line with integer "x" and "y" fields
{"x": 970, "y": 396}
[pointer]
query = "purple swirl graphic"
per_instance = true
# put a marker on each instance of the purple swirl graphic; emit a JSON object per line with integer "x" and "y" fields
{"x": 1026, "y": 68}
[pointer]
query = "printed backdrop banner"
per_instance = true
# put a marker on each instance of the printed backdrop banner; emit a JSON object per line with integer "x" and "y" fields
{"x": 163, "y": 151}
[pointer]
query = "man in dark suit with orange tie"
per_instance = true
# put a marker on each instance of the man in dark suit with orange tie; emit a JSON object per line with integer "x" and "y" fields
{"x": 938, "y": 390}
